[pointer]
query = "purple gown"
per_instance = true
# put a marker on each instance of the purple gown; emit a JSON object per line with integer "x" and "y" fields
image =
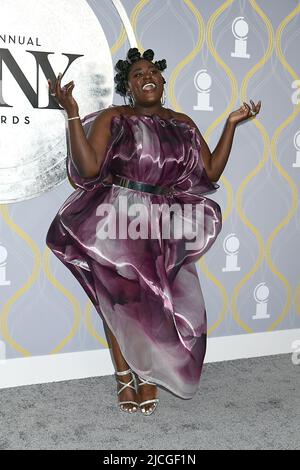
{"x": 147, "y": 290}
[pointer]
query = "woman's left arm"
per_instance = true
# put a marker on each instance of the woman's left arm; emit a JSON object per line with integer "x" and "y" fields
{"x": 216, "y": 161}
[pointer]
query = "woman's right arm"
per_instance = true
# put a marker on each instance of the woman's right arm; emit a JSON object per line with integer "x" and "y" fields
{"x": 87, "y": 153}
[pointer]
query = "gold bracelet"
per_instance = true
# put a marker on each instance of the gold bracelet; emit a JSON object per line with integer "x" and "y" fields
{"x": 76, "y": 117}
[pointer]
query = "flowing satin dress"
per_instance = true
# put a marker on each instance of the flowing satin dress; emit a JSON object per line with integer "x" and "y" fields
{"x": 146, "y": 289}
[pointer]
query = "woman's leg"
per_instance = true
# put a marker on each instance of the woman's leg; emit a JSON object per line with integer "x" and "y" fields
{"x": 120, "y": 365}
{"x": 145, "y": 392}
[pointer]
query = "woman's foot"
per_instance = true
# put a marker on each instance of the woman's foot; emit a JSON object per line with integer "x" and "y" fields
{"x": 147, "y": 391}
{"x": 127, "y": 395}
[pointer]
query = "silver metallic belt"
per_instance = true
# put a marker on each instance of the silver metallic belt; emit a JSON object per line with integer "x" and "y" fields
{"x": 137, "y": 185}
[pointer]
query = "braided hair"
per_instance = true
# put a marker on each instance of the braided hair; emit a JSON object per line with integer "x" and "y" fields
{"x": 123, "y": 66}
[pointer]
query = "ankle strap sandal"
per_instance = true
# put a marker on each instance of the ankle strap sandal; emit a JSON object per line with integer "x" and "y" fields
{"x": 154, "y": 401}
{"x": 129, "y": 385}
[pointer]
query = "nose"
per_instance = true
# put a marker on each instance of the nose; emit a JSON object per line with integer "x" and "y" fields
{"x": 148, "y": 75}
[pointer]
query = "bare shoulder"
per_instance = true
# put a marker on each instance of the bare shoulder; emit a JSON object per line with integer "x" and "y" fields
{"x": 105, "y": 116}
{"x": 185, "y": 118}
{"x": 107, "y": 113}
{"x": 99, "y": 133}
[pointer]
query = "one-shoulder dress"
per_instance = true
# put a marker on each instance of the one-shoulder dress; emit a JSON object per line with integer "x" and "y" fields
{"x": 145, "y": 288}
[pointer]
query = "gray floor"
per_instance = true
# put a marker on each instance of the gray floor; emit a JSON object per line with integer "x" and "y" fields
{"x": 243, "y": 404}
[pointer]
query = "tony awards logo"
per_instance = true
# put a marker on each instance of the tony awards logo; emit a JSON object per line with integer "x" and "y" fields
{"x": 202, "y": 82}
{"x": 231, "y": 246}
{"x": 240, "y": 30}
{"x": 36, "y": 43}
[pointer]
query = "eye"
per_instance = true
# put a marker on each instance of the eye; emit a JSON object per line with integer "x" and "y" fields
{"x": 138, "y": 74}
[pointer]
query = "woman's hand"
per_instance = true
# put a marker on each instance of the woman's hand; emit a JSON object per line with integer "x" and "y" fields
{"x": 244, "y": 112}
{"x": 64, "y": 95}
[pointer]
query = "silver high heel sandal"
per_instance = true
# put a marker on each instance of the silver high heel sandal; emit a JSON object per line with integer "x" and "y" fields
{"x": 154, "y": 400}
{"x": 121, "y": 403}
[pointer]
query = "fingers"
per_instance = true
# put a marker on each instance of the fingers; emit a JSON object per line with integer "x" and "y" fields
{"x": 255, "y": 108}
{"x": 70, "y": 89}
{"x": 258, "y": 106}
{"x": 247, "y": 107}
{"x": 57, "y": 91}
{"x": 57, "y": 86}
{"x": 68, "y": 84}
{"x": 52, "y": 91}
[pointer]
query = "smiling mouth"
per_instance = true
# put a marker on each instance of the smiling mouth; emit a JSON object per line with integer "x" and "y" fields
{"x": 149, "y": 87}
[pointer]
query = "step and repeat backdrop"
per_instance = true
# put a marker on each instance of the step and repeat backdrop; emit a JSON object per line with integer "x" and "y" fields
{"x": 219, "y": 54}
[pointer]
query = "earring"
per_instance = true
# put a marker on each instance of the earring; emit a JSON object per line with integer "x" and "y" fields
{"x": 163, "y": 100}
{"x": 131, "y": 102}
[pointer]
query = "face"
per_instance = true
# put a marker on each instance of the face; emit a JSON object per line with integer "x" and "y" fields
{"x": 141, "y": 73}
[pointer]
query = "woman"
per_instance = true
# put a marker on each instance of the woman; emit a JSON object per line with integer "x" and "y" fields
{"x": 146, "y": 290}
